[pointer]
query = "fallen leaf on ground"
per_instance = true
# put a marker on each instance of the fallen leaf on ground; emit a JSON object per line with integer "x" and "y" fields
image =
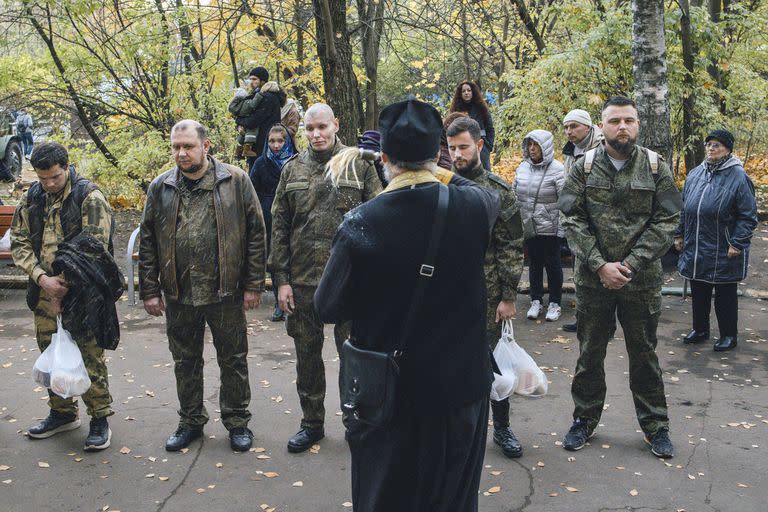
{"x": 184, "y": 450}
{"x": 200, "y": 491}
{"x": 571, "y": 489}
{"x": 125, "y": 450}
{"x": 346, "y": 504}
{"x": 258, "y": 450}
{"x": 298, "y": 484}
{"x": 150, "y": 393}
{"x": 163, "y": 478}
{"x": 4, "y": 467}
{"x": 315, "y": 449}
{"x": 496, "y": 473}
{"x": 263, "y": 457}
{"x": 271, "y": 474}
{"x": 43, "y": 464}
{"x": 149, "y": 475}
{"x": 540, "y": 464}
{"x": 494, "y": 489}
{"x": 744, "y": 486}
{"x": 691, "y": 477}
{"x": 219, "y": 465}
{"x": 554, "y": 494}
{"x": 78, "y": 459}
{"x": 633, "y": 492}
{"x": 7, "y": 481}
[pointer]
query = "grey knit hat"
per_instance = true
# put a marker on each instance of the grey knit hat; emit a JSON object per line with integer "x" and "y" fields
{"x": 578, "y": 115}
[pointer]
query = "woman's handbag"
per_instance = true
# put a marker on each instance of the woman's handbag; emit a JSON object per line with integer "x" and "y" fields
{"x": 368, "y": 377}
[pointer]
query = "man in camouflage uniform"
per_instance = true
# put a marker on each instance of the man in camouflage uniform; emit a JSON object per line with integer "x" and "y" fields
{"x": 60, "y": 205}
{"x": 620, "y": 207}
{"x": 203, "y": 247}
{"x": 305, "y": 216}
{"x": 503, "y": 259}
{"x": 582, "y": 136}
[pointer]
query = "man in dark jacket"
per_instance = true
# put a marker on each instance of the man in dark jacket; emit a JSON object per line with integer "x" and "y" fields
{"x": 429, "y": 456}
{"x": 203, "y": 247}
{"x": 59, "y": 206}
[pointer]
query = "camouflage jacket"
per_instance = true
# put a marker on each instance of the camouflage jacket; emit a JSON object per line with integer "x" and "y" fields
{"x": 96, "y": 221}
{"x": 242, "y": 244}
{"x": 308, "y": 210}
{"x": 627, "y": 215}
{"x": 504, "y": 257}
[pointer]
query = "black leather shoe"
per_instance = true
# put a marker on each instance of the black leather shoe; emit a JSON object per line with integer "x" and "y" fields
{"x": 99, "y": 435}
{"x": 725, "y": 343}
{"x": 181, "y": 438}
{"x": 505, "y": 438}
{"x": 240, "y": 439}
{"x": 52, "y": 425}
{"x": 304, "y": 439}
{"x": 696, "y": 337}
{"x": 570, "y": 327}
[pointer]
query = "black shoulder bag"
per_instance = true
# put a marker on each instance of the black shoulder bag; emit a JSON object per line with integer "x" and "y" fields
{"x": 368, "y": 377}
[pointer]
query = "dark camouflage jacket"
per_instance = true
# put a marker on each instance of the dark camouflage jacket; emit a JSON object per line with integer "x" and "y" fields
{"x": 504, "y": 257}
{"x": 627, "y": 215}
{"x": 308, "y": 210}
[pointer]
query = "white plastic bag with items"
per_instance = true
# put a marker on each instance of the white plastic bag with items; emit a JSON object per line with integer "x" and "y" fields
{"x": 5, "y": 242}
{"x": 60, "y": 367}
{"x": 504, "y": 383}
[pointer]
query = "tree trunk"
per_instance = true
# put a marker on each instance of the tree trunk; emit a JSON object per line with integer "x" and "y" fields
{"x": 339, "y": 80}
{"x": 370, "y": 13}
{"x": 530, "y": 25}
{"x": 692, "y": 140}
{"x": 650, "y": 73}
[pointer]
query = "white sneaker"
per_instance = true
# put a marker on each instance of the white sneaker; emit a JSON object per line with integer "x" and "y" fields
{"x": 553, "y": 312}
{"x": 535, "y": 310}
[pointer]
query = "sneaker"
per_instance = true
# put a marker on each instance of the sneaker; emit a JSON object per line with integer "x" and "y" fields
{"x": 505, "y": 438}
{"x": 278, "y": 315}
{"x": 99, "y": 435}
{"x": 240, "y": 439}
{"x": 52, "y": 425}
{"x": 553, "y": 312}
{"x": 577, "y": 436}
{"x": 534, "y": 310}
{"x": 304, "y": 439}
{"x": 182, "y": 438}
{"x": 660, "y": 444}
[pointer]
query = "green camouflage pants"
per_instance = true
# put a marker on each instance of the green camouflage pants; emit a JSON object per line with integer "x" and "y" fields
{"x": 97, "y": 399}
{"x": 638, "y": 312}
{"x": 306, "y": 329}
{"x": 185, "y": 326}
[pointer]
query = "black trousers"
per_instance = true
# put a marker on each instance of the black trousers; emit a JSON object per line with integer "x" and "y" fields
{"x": 544, "y": 253}
{"x": 726, "y": 306}
{"x": 421, "y": 462}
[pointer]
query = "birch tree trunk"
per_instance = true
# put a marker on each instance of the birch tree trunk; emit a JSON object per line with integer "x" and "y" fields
{"x": 650, "y": 73}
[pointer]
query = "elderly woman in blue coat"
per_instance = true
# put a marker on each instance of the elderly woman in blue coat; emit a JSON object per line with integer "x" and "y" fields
{"x": 718, "y": 218}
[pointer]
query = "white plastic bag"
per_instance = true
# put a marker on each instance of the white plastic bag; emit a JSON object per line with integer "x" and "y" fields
{"x": 504, "y": 383}
{"x": 60, "y": 367}
{"x": 531, "y": 381}
{"x": 5, "y": 242}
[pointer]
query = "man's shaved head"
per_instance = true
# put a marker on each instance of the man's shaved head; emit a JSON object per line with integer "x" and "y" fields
{"x": 320, "y": 127}
{"x": 319, "y": 110}
{"x": 191, "y": 124}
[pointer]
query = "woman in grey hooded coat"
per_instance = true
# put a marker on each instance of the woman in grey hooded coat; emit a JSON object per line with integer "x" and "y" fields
{"x": 538, "y": 183}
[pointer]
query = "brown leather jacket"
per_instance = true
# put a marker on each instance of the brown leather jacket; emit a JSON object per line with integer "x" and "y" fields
{"x": 239, "y": 221}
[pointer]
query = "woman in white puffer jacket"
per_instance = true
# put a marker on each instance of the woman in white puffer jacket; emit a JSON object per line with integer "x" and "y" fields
{"x": 538, "y": 183}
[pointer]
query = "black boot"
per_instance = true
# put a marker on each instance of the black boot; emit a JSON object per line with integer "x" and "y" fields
{"x": 725, "y": 343}
{"x": 570, "y": 327}
{"x": 696, "y": 337}
{"x": 182, "y": 438}
{"x": 53, "y": 424}
{"x": 505, "y": 438}
{"x": 99, "y": 435}
{"x": 240, "y": 439}
{"x": 304, "y": 439}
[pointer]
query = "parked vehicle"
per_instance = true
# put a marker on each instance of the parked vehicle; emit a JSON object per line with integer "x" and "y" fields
{"x": 10, "y": 148}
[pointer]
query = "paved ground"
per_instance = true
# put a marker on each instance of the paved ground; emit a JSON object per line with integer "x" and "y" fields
{"x": 717, "y": 407}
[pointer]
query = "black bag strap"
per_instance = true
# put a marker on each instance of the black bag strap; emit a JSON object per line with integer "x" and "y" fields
{"x": 427, "y": 269}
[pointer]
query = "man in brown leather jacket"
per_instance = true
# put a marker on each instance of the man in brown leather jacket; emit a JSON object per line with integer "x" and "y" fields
{"x": 203, "y": 246}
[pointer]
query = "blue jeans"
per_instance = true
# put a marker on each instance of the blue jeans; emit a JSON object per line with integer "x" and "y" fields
{"x": 27, "y": 141}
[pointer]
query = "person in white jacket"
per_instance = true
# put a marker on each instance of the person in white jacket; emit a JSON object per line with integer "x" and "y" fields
{"x": 538, "y": 182}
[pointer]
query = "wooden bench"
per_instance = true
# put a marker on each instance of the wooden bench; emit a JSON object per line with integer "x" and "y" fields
{"x": 131, "y": 257}
{"x": 6, "y": 216}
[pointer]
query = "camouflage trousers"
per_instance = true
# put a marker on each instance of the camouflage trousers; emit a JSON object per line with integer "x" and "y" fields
{"x": 97, "y": 399}
{"x": 596, "y": 313}
{"x": 185, "y": 326}
{"x": 306, "y": 329}
{"x": 500, "y": 409}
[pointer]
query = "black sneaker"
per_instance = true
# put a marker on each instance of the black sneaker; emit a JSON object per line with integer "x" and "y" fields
{"x": 278, "y": 315}
{"x": 505, "y": 438}
{"x": 53, "y": 424}
{"x": 577, "y": 436}
{"x": 660, "y": 444}
{"x": 99, "y": 435}
{"x": 240, "y": 439}
{"x": 570, "y": 327}
{"x": 182, "y": 438}
{"x": 304, "y": 439}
